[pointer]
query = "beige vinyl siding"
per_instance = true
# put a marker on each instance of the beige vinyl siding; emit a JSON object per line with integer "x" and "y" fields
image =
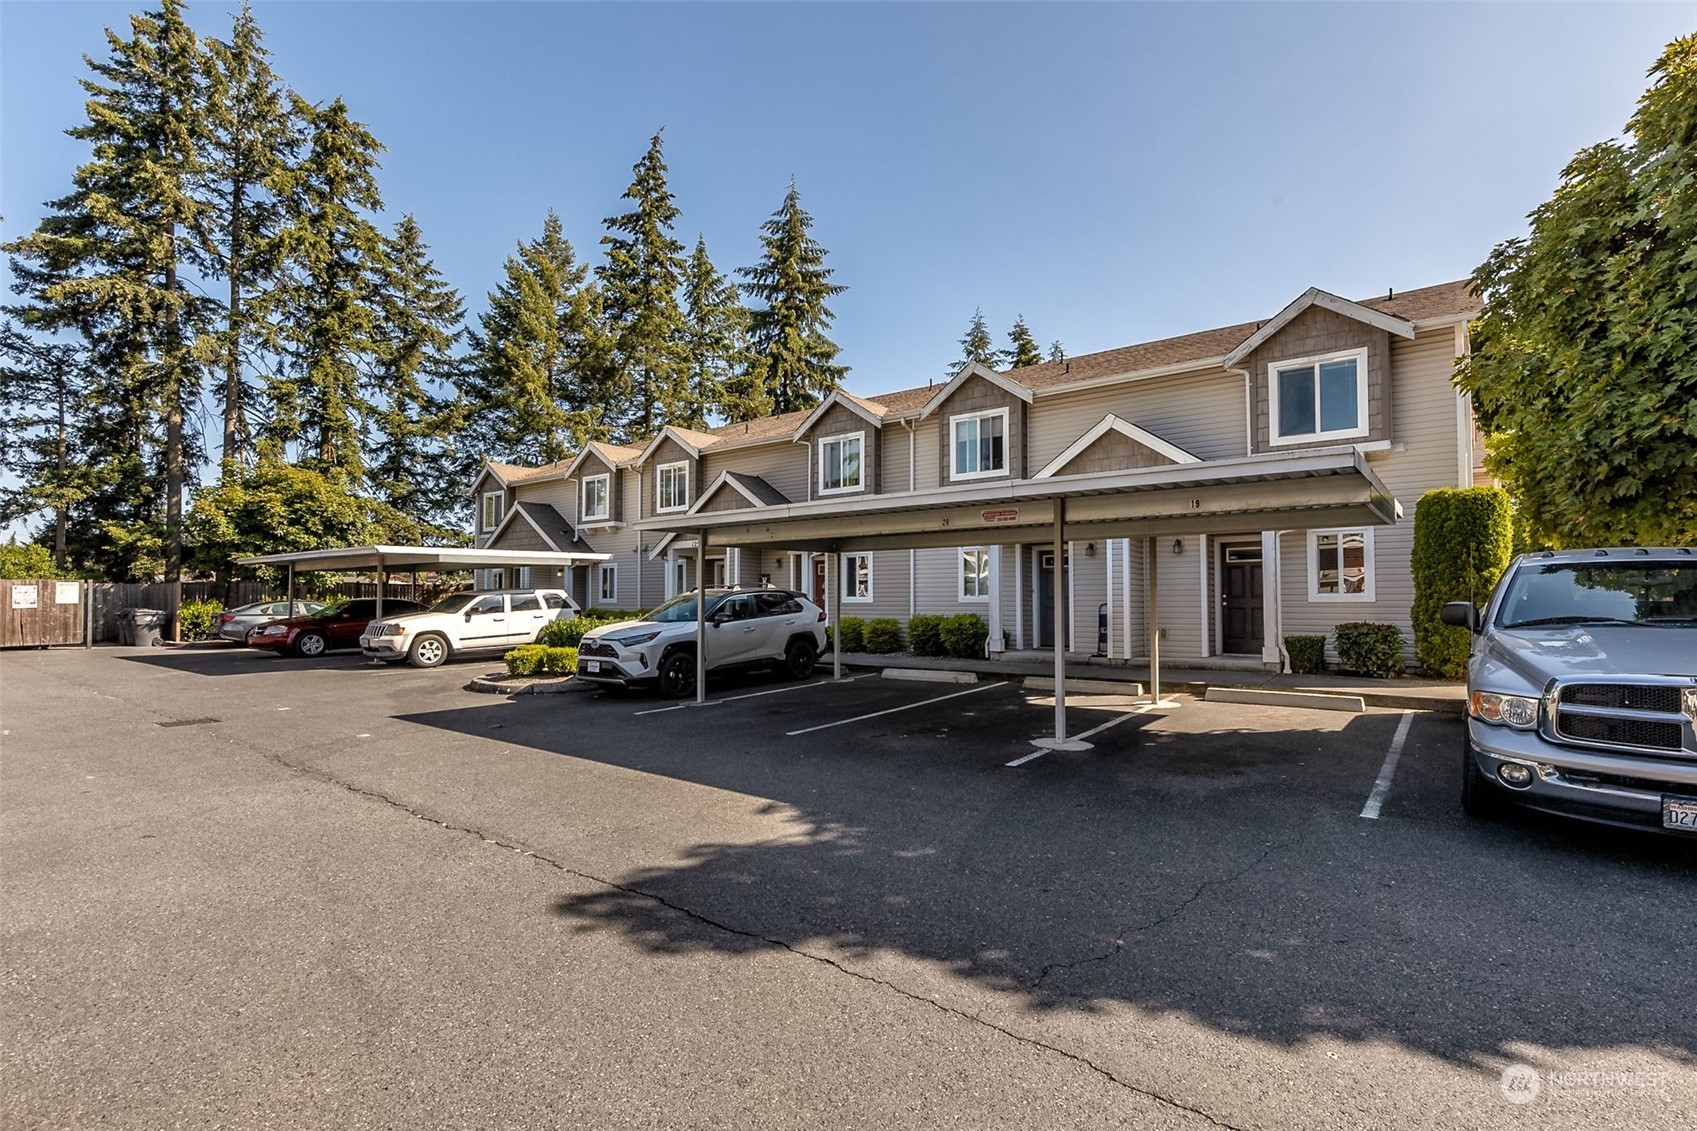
{"x": 937, "y": 584}
{"x": 1089, "y": 591}
{"x": 1424, "y": 456}
{"x": 897, "y": 458}
{"x": 889, "y": 587}
{"x": 1203, "y": 413}
{"x": 926, "y": 444}
{"x": 561, "y": 494}
{"x": 783, "y": 465}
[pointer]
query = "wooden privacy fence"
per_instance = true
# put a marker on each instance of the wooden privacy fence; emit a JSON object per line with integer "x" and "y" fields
{"x": 40, "y": 612}
{"x": 111, "y": 599}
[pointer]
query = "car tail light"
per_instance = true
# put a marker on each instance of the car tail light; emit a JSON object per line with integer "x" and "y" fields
{"x": 226, "y": 618}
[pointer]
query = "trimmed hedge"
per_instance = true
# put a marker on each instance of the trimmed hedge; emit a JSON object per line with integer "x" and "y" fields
{"x": 1307, "y": 654}
{"x": 964, "y": 636}
{"x": 1370, "y": 649}
{"x": 851, "y": 634}
{"x": 883, "y": 636}
{"x": 1463, "y": 540}
{"x": 194, "y": 619}
{"x": 539, "y": 659}
{"x": 569, "y": 633}
{"x": 925, "y": 634}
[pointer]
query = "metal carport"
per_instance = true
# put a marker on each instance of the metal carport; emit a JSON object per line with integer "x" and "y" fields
{"x": 1327, "y": 486}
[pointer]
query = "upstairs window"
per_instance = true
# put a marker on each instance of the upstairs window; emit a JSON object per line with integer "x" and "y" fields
{"x": 980, "y": 444}
{"x": 595, "y": 497}
{"x": 839, "y": 463}
{"x": 671, "y": 488}
{"x": 491, "y": 511}
{"x": 1321, "y": 398}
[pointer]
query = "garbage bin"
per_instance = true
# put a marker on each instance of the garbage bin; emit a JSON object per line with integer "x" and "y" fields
{"x": 145, "y": 626}
{"x": 126, "y": 628}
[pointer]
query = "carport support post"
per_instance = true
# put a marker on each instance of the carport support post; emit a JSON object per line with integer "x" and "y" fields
{"x": 1059, "y": 597}
{"x": 380, "y": 579}
{"x": 834, "y": 602}
{"x": 291, "y": 593}
{"x": 1154, "y": 622}
{"x": 701, "y": 616}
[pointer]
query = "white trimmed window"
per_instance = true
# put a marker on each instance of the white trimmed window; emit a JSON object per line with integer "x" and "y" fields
{"x": 497, "y": 579}
{"x": 1319, "y": 398}
{"x": 524, "y": 578}
{"x": 979, "y": 443}
{"x": 671, "y": 487}
{"x": 840, "y": 463}
{"x": 1340, "y": 565}
{"x": 974, "y": 573}
{"x": 596, "y": 498}
{"x": 491, "y": 511}
{"x": 857, "y": 577}
{"x": 609, "y": 583}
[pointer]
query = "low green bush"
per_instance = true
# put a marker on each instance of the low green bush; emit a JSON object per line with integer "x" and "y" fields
{"x": 964, "y": 636}
{"x": 925, "y": 634}
{"x": 194, "y": 619}
{"x": 1307, "y": 654}
{"x": 559, "y": 661}
{"x": 851, "y": 634}
{"x": 883, "y": 636}
{"x": 525, "y": 659}
{"x": 1370, "y": 649}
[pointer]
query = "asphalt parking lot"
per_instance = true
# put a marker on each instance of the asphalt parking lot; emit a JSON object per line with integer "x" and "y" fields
{"x": 264, "y": 892}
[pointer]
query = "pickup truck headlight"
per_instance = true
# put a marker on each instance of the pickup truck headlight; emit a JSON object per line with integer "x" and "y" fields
{"x": 1517, "y": 711}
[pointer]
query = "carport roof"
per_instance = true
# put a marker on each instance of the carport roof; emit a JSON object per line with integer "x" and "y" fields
{"x": 418, "y": 557}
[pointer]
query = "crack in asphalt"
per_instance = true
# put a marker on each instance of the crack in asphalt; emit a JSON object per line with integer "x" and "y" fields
{"x": 1118, "y": 945}
{"x": 824, "y": 960}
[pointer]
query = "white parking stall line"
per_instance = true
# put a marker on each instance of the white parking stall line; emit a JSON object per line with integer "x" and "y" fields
{"x": 1113, "y": 722}
{"x": 748, "y": 695}
{"x": 1383, "y": 786}
{"x": 893, "y": 710}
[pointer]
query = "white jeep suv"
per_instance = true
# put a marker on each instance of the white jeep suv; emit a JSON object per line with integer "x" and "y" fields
{"x": 745, "y": 628}
{"x": 467, "y": 622}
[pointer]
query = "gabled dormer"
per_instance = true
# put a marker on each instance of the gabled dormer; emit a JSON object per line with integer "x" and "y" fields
{"x": 844, "y": 438}
{"x": 983, "y": 422}
{"x": 598, "y": 472}
{"x": 491, "y": 494}
{"x": 1320, "y": 374}
{"x": 671, "y": 465}
{"x": 1113, "y": 444}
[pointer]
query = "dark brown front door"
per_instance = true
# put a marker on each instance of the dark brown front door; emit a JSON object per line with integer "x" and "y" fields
{"x": 1241, "y": 627}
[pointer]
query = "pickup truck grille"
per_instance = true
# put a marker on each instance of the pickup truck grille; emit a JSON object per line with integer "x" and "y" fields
{"x": 595, "y": 648}
{"x": 1638, "y": 716}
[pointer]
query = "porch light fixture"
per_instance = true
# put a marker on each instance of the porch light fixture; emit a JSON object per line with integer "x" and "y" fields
{"x": 1178, "y": 545}
{"x": 1090, "y": 549}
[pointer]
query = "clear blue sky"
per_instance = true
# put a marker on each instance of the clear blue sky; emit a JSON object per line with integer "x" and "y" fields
{"x": 1115, "y": 172}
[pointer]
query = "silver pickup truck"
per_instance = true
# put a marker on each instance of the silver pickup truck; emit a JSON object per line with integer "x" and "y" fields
{"x": 1582, "y": 688}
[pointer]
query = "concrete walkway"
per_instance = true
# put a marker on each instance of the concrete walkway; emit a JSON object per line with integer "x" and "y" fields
{"x": 1446, "y": 696}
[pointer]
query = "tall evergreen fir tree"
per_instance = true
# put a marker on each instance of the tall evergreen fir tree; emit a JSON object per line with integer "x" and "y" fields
{"x": 1056, "y": 351}
{"x": 1022, "y": 347}
{"x": 108, "y": 263}
{"x": 716, "y": 338}
{"x": 536, "y": 385}
{"x": 43, "y": 412}
{"x": 976, "y": 345}
{"x": 331, "y": 252}
{"x": 639, "y": 287}
{"x": 251, "y": 139}
{"x": 413, "y": 465}
{"x": 795, "y": 362}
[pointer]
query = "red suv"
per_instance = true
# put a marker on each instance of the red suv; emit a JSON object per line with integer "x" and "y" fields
{"x": 339, "y": 626}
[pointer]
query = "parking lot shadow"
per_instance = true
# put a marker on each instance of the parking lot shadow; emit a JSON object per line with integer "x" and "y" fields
{"x": 1219, "y": 872}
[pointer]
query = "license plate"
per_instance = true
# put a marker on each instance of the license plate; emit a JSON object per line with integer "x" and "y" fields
{"x": 592, "y": 665}
{"x": 1679, "y": 813}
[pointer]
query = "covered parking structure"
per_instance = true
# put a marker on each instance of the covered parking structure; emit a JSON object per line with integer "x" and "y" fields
{"x": 1329, "y": 487}
{"x": 383, "y": 560}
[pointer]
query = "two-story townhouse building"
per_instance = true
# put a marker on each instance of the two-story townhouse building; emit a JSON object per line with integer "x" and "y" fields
{"x": 1367, "y": 382}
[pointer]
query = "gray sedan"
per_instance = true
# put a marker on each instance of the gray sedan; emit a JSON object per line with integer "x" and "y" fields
{"x": 233, "y": 624}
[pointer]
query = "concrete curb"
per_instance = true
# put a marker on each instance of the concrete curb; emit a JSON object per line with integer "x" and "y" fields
{"x": 1312, "y": 700}
{"x": 491, "y": 685}
{"x": 1086, "y": 686}
{"x": 930, "y": 675}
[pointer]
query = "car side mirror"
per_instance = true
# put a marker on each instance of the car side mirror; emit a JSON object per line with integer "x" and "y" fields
{"x": 1461, "y": 614}
{"x": 468, "y": 616}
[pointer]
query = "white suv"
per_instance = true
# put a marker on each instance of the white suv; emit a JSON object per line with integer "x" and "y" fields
{"x": 467, "y": 622}
{"x": 746, "y": 628}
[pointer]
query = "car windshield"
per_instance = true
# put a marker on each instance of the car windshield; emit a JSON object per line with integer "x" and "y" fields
{"x": 453, "y": 604}
{"x": 1601, "y": 593}
{"x": 682, "y": 608}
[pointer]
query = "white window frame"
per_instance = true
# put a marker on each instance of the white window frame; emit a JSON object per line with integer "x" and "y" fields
{"x": 956, "y": 475}
{"x": 1274, "y": 439}
{"x": 1369, "y": 580}
{"x": 497, "y": 579}
{"x": 681, "y": 466}
{"x": 859, "y": 439}
{"x": 524, "y": 578}
{"x": 493, "y": 510}
{"x": 608, "y": 572}
{"x": 848, "y": 595}
{"x": 983, "y": 553}
{"x": 606, "y": 512}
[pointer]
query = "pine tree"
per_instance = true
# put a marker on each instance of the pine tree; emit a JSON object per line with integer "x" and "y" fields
{"x": 1022, "y": 347}
{"x": 639, "y": 287}
{"x": 976, "y": 345}
{"x": 1056, "y": 351}
{"x": 325, "y": 306}
{"x": 412, "y": 466}
{"x": 795, "y": 363}
{"x": 537, "y": 384}
{"x": 42, "y": 412}
{"x": 716, "y": 340}
{"x": 251, "y": 138}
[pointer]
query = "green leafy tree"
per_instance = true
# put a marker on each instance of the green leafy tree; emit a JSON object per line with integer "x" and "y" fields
{"x": 639, "y": 286}
{"x": 1584, "y": 363}
{"x": 1022, "y": 347}
{"x": 976, "y": 345}
{"x": 795, "y": 362}
{"x": 536, "y": 384}
{"x": 716, "y": 347}
{"x": 28, "y": 561}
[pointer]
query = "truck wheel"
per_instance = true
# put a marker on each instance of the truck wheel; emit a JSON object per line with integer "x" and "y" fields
{"x": 1479, "y": 798}
{"x": 310, "y": 644}
{"x": 799, "y": 658}
{"x": 428, "y": 651}
{"x": 677, "y": 675}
